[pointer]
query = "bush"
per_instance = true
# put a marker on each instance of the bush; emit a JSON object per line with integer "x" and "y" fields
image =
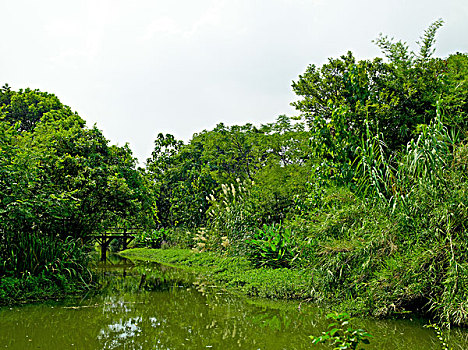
{"x": 151, "y": 238}
{"x": 272, "y": 246}
{"x": 341, "y": 335}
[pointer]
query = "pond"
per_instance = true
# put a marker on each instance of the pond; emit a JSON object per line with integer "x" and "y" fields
{"x": 149, "y": 306}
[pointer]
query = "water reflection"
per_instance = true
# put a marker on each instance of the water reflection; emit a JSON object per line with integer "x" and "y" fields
{"x": 143, "y": 307}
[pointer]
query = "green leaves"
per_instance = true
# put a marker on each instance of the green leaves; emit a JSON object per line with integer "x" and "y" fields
{"x": 182, "y": 175}
{"x": 57, "y": 179}
{"x": 272, "y": 246}
{"x": 28, "y": 107}
{"x": 340, "y": 335}
{"x": 428, "y": 41}
{"x": 440, "y": 336}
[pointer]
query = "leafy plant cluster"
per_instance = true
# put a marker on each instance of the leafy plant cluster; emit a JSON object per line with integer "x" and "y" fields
{"x": 341, "y": 335}
{"x": 272, "y": 246}
{"x": 366, "y": 188}
{"x": 59, "y": 182}
{"x": 440, "y": 336}
{"x": 152, "y": 238}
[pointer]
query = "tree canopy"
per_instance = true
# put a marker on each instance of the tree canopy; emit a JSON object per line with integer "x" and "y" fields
{"x": 58, "y": 178}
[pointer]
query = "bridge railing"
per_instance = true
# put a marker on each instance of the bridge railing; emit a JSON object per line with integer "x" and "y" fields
{"x": 125, "y": 235}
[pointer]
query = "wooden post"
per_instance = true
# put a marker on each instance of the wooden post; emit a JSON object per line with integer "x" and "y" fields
{"x": 124, "y": 243}
{"x": 103, "y": 247}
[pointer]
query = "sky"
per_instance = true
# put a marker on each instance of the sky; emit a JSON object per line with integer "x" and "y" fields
{"x": 141, "y": 67}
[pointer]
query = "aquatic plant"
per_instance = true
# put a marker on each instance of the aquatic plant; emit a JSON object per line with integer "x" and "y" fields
{"x": 341, "y": 335}
{"x": 440, "y": 336}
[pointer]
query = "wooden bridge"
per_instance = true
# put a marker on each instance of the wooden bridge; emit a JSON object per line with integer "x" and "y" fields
{"x": 123, "y": 235}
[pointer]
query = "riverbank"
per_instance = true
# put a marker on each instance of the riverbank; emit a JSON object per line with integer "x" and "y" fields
{"x": 146, "y": 305}
{"x": 240, "y": 276}
{"x": 37, "y": 289}
{"x": 74, "y": 276}
{"x": 235, "y": 273}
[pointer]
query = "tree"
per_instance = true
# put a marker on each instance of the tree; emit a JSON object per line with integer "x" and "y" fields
{"x": 183, "y": 176}
{"x": 344, "y": 99}
{"x": 60, "y": 179}
{"x": 180, "y": 181}
{"x": 29, "y": 106}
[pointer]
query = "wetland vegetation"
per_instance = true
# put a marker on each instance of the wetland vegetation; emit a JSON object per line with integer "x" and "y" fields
{"x": 360, "y": 201}
{"x": 177, "y": 309}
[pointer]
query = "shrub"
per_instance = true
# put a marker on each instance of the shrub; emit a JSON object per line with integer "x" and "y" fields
{"x": 151, "y": 238}
{"x": 341, "y": 335}
{"x": 272, "y": 246}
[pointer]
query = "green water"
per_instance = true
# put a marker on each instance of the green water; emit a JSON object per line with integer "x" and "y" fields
{"x": 154, "y": 307}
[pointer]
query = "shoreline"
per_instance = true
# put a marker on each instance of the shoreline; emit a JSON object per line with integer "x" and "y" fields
{"x": 234, "y": 273}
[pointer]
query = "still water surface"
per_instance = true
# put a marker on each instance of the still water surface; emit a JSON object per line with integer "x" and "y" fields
{"x": 148, "y": 306}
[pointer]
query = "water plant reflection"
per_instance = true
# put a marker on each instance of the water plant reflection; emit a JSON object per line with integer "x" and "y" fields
{"x": 174, "y": 309}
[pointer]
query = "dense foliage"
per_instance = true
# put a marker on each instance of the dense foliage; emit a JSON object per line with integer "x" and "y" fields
{"x": 59, "y": 182}
{"x": 270, "y": 161}
{"x": 341, "y": 335}
{"x": 363, "y": 194}
{"x": 366, "y": 188}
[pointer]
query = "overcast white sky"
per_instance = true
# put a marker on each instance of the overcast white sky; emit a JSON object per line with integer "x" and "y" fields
{"x": 140, "y": 67}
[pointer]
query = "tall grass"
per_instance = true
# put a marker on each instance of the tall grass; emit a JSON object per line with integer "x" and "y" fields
{"x": 403, "y": 244}
{"x": 392, "y": 241}
{"x": 36, "y": 256}
{"x": 391, "y": 178}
